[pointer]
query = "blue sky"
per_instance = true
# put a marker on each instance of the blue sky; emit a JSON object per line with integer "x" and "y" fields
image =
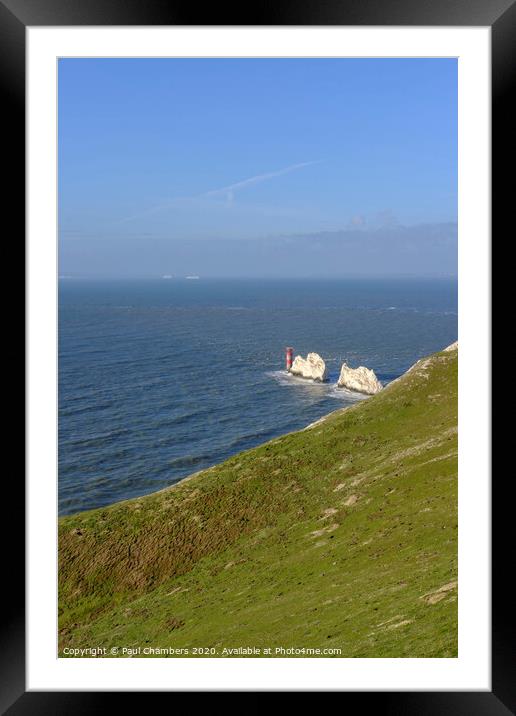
{"x": 154, "y": 153}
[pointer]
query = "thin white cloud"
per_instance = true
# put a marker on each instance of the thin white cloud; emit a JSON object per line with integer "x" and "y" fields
{"x": 227, "y": 192}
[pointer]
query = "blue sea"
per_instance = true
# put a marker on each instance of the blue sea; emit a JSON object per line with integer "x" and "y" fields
{"x": 161, "y": 378}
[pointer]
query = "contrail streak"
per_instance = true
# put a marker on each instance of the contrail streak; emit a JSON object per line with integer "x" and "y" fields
{"x": 227, "y": 191}
{"x": 231, "y": 188}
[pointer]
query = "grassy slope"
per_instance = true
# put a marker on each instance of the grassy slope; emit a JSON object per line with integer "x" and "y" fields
{"x": 336, "y": 536}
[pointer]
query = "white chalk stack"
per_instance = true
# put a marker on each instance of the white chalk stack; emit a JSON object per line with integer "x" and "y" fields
{"x": 312, "y": 367}
{"x": 361, "y": 379}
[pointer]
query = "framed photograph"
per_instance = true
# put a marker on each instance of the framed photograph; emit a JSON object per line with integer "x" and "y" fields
{"x": 254, "y": 251}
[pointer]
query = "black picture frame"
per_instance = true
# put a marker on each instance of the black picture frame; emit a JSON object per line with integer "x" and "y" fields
{"x": 500, "y": 16}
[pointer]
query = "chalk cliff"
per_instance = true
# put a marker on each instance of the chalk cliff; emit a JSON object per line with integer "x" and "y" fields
{"x": 264, "y": 515}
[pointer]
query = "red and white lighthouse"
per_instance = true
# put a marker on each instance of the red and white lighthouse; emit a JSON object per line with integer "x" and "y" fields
{"x": 289, "y": 352}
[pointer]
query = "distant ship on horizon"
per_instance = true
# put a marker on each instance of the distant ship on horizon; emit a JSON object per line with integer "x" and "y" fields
{"x": 192, "y": 277}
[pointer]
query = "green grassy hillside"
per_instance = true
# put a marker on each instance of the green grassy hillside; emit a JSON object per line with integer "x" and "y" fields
{"x": 342, "y": 536}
